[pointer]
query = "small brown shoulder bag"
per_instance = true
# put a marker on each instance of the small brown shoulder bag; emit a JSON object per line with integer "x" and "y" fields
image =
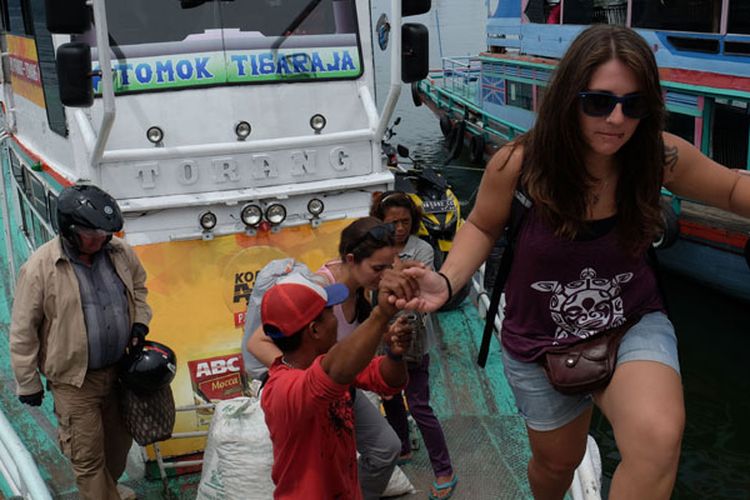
{"x": 585, "y": 366}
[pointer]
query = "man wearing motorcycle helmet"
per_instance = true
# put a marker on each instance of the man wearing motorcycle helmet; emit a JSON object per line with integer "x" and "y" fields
{"x": 80, "y": 302}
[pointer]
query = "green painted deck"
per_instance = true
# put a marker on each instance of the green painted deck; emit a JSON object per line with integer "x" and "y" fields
{"x": 486, "y": 437}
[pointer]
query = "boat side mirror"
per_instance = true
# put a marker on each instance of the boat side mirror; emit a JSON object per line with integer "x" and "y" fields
{"x": 403, "y": 151}
{"x": 414, "y": 7}
{"x": 74, "y": 74}
{"x": 415, "y": 52}
{"x": 69, "y": 16}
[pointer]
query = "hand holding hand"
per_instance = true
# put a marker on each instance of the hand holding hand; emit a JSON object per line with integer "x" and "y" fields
{"x": 395, "y": 282}
{"x": 32, "y": 399}
{"x": 433, "y": 291}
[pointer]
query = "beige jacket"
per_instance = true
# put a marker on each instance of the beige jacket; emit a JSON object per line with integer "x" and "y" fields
{"x": 47, "y": 331}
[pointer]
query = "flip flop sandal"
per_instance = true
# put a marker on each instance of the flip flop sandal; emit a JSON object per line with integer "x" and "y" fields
{"x": 404, "y": 459}
{"x": 450, "y": 486}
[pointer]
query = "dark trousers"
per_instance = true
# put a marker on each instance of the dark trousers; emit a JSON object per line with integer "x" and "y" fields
{"x": 418, "y": 398}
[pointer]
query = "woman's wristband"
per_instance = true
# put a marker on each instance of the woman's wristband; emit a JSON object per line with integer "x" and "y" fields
{"x": 447, "y": 284}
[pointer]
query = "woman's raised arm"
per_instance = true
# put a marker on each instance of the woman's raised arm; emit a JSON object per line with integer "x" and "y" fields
{"x": 692, "y": 175}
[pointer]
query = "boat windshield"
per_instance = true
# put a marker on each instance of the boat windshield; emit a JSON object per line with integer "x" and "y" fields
{"x": 158, "y": 44}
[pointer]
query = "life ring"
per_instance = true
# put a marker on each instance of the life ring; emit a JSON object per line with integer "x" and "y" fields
{"x": 476, "y": 149}
{"x": 415, "y": 97}
{"x": 456, "y": 141}
{"x": 446, "y": 126}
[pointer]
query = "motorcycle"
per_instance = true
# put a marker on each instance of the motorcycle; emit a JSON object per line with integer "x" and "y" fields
{"x": 432, "y": 193}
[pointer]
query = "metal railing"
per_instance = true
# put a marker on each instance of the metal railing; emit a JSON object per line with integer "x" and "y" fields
{"x": 462, "y": 76}
{"x": 17, "y": 465}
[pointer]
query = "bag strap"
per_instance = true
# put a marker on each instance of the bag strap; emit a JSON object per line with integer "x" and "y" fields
{"x": 653, "y": 259}
{"x": 519, "y": 207}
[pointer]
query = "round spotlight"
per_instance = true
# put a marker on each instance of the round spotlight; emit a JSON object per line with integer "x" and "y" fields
{"x": 318, "y": 123}
{"x": 315, "y": 207}
{"x": 251, "y": 215}
{"x": 155, "y": 135}
{"x": 242, "y": 129}
{"x": 207, "y": 220}
{"x": 275, "y": 214}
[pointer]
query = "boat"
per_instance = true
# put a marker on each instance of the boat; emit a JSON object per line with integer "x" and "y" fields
{"x": 231, "y": 134}
{"x": 703, "y": 52}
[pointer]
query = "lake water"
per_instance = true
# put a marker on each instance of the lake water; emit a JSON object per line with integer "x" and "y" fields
{"x": 713, "y": 330}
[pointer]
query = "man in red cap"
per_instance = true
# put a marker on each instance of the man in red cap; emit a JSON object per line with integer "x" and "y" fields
{"x": 307, "y": 399}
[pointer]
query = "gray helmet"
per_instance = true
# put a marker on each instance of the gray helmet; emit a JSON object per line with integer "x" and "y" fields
{"x": 87, "y": 206}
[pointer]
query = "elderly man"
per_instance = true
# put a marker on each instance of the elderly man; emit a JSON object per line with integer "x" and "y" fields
{"x": 80, "y": 301}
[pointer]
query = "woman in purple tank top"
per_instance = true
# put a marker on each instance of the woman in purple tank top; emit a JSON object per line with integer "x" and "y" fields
{"x": 593, "y": 165}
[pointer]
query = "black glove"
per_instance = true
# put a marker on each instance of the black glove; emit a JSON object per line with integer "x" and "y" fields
{"x": 137, "y": 336}
{"x": 32, "y": 399}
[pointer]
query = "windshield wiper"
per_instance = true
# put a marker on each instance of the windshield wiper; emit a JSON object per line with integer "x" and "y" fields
{"x": 189, "y": 4}
{"x": 295, "y": 23}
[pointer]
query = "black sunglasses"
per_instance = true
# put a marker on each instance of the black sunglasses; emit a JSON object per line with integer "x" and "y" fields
{"x": 383, "y": 233}
{"x": 600, "y": 104}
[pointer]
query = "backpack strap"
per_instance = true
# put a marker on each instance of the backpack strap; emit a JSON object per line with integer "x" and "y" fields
{"x": 519, "y": 207}
{"x": 653, "y": 260}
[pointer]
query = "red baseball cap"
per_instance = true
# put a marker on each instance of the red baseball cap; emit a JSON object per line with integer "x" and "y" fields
{"x": 294, "y": 302}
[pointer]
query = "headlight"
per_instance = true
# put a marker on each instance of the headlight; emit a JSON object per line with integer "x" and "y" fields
{"x": 315, "y": 207}
{"x": 251, "y": 215}
{"x": 275, "y": 214}
{"x": 155, "y": 135}
{"x": 318, "y": 122}
{"x": 207, "y": 220}
{"x": 242, "y": 129}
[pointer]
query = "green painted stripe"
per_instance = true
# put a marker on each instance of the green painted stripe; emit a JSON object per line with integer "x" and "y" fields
{"x": 708, "y": 91}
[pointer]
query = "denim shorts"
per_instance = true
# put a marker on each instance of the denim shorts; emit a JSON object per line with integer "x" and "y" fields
{"x": 651, "y": 339}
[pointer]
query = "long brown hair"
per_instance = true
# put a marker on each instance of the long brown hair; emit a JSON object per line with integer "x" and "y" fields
{"x": 554, "y": 172}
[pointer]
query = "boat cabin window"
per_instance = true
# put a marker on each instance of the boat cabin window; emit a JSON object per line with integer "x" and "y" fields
{"x": 34, "y": 209}
{"x": 577, "y": 11}
{"x": 17, "y": 168}
{"x": 738, "y": 21}
{"x": 161, "y": 44}
{"x": 39, "y": 198}
{"x": 731, "y": 128}
{"x": 683, "y": 126}
{"x": 52, "y": 204}
{"x": 595, "y": 12}
{"x": 701, "y": 16}
{"x": 519, "y": 94}
{"x": 47, "y": 69}
{"x": 32, "y": 58}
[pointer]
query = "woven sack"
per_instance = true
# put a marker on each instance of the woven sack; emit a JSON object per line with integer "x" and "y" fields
{"x": 149, "y": 417}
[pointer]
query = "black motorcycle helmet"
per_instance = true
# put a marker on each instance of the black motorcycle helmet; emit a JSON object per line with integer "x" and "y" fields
{"x": 87, "y": 206}
{"x": 148, "y": 369}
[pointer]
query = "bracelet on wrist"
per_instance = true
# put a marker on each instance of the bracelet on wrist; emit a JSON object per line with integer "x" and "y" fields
{"x": 447, "y": 284}
{"x": 392, "y": 355}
